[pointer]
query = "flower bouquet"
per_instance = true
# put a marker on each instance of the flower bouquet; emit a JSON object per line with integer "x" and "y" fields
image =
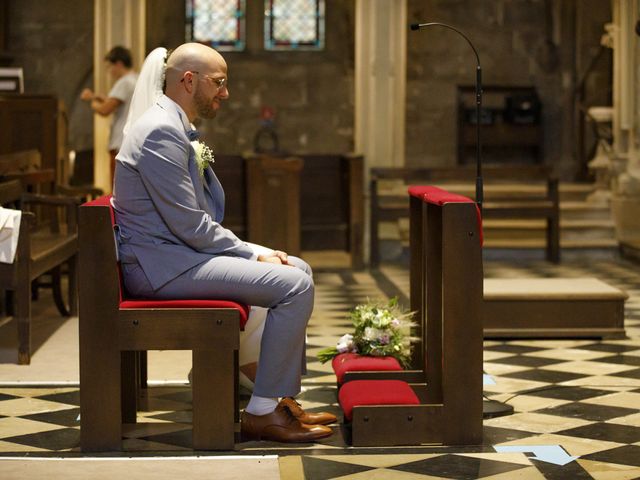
{"x": 381, "y": 329}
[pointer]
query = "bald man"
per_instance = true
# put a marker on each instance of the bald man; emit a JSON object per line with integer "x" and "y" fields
{"x": 172, "y": 244}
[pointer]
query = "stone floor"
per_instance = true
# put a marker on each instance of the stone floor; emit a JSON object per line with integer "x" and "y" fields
{"x": 579, "y": 397}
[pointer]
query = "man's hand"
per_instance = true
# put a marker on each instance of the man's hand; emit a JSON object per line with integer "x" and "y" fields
{"x": 282, "y": 256}
{"x": 278, "y": 257}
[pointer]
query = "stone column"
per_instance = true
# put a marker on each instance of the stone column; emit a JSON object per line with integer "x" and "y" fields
{"x": 380, "y": 79}
{"x": 380, "y": 83}
{"x": 625, "y": 155}
{"x": 116, "y": 22}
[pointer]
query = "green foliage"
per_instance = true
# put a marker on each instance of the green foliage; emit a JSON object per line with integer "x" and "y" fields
{"x": 380, "y": 329}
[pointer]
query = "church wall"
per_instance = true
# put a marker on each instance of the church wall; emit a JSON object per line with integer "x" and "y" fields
{"x": 520, "y": 43}
{"x": 53, "y": 42}
{"x": 312, "y": 93}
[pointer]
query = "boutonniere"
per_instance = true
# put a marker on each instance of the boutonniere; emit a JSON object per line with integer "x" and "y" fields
{"x": 204, "y": 156}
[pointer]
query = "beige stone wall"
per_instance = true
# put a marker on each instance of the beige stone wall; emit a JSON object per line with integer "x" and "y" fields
{"x": 522, "y": 43}
{"x": 53, "y": 42}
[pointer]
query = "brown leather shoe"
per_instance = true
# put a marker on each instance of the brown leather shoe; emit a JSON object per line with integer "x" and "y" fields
{"x": 280, "y": 426}
{"x": 318, "y": 418}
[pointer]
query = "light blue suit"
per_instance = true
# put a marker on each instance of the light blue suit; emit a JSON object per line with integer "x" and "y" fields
{"x": 172, "y": 243}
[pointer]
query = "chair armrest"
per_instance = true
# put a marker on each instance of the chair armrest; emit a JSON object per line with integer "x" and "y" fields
{"x": 36, "y": 177}
{"x": 70, "y": 205}
{"x": 43, "y": 199}
{"x": 86, "y": 193}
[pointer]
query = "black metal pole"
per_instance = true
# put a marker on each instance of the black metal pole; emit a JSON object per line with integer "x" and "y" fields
{"x": 479, "y": 188}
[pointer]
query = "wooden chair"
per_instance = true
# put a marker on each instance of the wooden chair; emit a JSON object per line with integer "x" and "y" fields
{"x": 113, "y": 328}
{"x": 46, "y": 242}
{"x": 440, "y": 400}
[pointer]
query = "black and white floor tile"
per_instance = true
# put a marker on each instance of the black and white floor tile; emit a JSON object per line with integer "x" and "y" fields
{"x": 580, "y": 395}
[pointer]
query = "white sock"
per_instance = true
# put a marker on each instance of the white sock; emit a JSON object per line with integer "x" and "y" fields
{"x": 261, "y": 405}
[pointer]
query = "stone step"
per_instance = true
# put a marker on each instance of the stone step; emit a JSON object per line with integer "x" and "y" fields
{"x": 630, "y": 249}
{"x": 576, "y": 210}
{"x": 583, "y": 243}
{"x": 525, "y": 234}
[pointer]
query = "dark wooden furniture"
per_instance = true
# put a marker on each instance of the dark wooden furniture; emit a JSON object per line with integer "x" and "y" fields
{"x": 273, "y": 215}
{"x": 510, "y": 119}
{"x": 446, "y": 292}
{"x": 331, "y": 201}
{"x": 391, "y": 207}
{"x": 552, "y": 308}
{"x": 36, "y": 122}
{"x": 45, "y": 243}
{"x": 113, "y": 329}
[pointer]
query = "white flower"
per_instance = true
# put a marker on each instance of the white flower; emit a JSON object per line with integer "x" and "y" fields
{"x": 204, "y": 156}
{"x": 345, "y": 344}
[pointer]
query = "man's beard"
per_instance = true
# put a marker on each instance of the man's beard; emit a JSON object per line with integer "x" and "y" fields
{"x": 204, "y": 105}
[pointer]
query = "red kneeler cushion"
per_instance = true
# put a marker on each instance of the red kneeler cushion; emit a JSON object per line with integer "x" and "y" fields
{"x": 352, "y": 362}
{"x": 375, "y": 392}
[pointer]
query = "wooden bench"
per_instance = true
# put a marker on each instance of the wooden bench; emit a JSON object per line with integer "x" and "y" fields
{"x": 552, "y": 307}
{"x": 532, "y": 204}
{"x": 440, "y": 400}
{"x": 45, "y": 243}
{"x": 114, "y": 330}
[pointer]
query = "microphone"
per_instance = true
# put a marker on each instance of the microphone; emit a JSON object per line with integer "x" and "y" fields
{"x": 479, "y": 192}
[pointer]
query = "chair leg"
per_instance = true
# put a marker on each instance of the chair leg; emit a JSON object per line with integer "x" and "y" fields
{"x": 213, "y": 398}
{"x": 129, "y": 392}
{"x": 56, "y": 286}
{"x": 22, "y": 296}
{"x": 73, "y": 286}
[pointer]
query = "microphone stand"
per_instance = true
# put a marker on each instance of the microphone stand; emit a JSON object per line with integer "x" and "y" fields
{"x": 490, "y": 408}
{"x": 479, "y": 190}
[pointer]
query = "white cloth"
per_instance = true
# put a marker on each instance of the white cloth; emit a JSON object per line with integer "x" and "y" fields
{"x": 9, "y": 230}
{"x": 148, "y": 87}
{"x": 123, "y": 91}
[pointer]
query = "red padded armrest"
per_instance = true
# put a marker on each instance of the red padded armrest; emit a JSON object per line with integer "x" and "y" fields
{"x": 438, "y": 196}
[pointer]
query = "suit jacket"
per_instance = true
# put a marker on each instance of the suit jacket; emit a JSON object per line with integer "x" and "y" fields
{"x": 168, "y": 217}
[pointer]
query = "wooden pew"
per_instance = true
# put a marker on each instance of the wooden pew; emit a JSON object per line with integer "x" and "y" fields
{"x": 525, "y": 206}
{"x": 446, "y": 292}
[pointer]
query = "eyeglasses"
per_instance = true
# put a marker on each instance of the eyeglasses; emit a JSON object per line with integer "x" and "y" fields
{"x": 220, "y": 82}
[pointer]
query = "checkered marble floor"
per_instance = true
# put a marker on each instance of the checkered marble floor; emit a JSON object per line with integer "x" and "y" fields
{"x": 580, "y": 395}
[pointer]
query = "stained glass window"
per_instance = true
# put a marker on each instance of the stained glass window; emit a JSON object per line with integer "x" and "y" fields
{"x": 219, "y": 23}
{"x": 294, "y": 24}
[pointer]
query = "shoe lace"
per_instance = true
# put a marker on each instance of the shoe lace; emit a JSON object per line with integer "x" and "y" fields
{"x": 294, "y": 407}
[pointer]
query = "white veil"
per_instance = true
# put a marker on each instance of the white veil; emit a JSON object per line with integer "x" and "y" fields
{"x": 148, "y": 86}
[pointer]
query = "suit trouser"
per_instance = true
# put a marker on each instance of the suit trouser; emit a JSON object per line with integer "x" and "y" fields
{"x": 288, "y": 292}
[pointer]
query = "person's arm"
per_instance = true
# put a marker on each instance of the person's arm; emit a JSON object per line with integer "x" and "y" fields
{"x": 100, "y": 105}
{"x": 163, "y": 168}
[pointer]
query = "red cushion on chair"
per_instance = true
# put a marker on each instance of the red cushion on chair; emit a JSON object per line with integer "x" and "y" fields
{"x": 352, "y": 362}
{"x": 243, "y": 309}
{"x": 105, "y": 201}
{"x": 375, "y": 392}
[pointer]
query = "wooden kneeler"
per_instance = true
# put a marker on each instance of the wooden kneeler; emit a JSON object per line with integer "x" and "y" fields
{"x": 113, "y": 330}
{"x": 444, "y": 402}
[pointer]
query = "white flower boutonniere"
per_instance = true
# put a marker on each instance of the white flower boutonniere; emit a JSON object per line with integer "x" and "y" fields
{"x": 204, "y": 156}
